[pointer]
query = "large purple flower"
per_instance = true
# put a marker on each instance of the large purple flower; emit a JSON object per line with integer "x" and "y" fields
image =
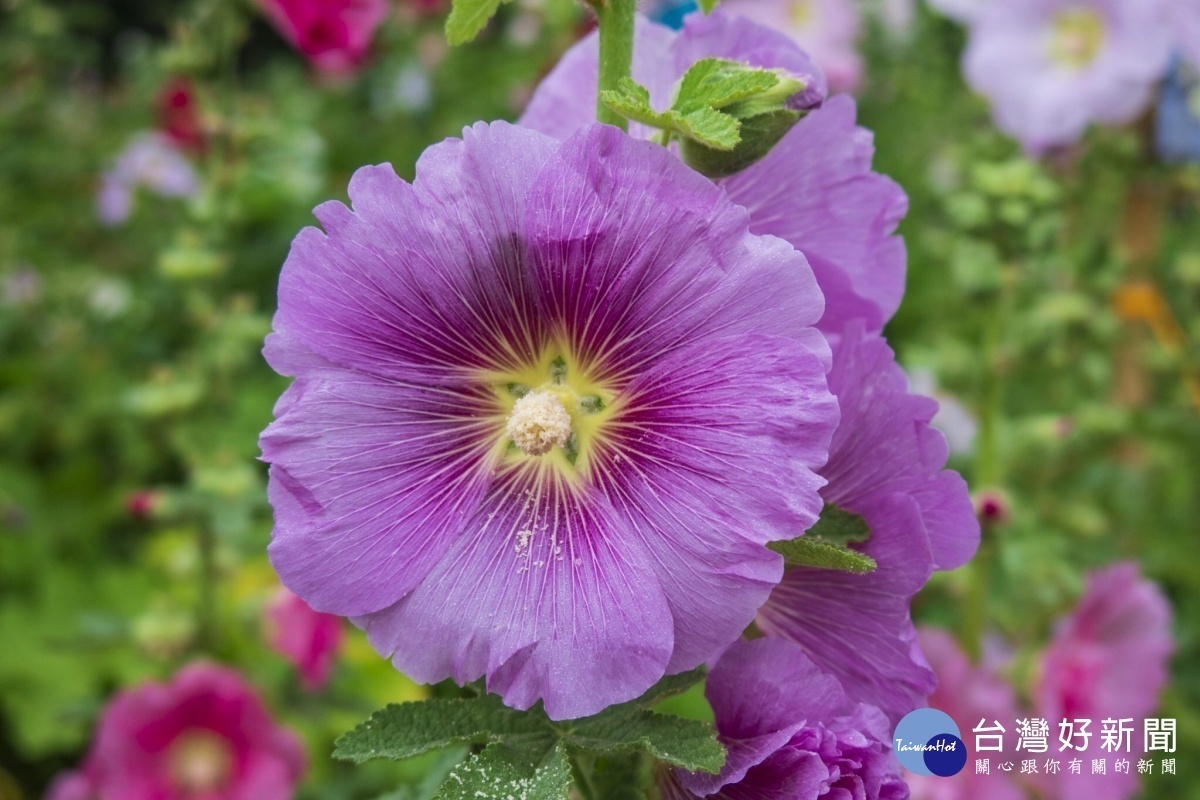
{"x": 815, "y": 188}
{"x": 551, "y": 402}
{"x": 790, "y": 732}
{"x": 885, "y": 464}
{"x": 1052, "y": 67}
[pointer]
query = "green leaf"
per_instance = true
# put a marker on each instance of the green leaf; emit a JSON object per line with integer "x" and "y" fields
{"x": 622, "y": 776}
{"x": 707, "y": 5}
{"x": 467, "y": 18}
{"x": 502, "y": 772}
{"x": 669, "y": 686}
{"x": 525, "y": 752}
{"x": 812, "y": 551}
{"x": 686, "y": 743}
{"x": 839, "y": 526}
{"x": 410, "y": 729}
{"x": 717, "y": 82}
{"x": 711, "y": 128}
{"x": 632, "y": 101}
{"x": 826, "y": 545}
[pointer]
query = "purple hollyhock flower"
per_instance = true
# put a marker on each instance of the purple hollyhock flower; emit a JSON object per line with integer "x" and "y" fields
{"x": 552, "y": 400}
{"x": 308, "y": 639}
{"x": 828, "y": 29}
{"x": 206, "y": 734}
{"x": 1107, "y": 660}
{"x": 885, "y": 464}
{"x": 790, "y": 731}
{"x": 968, "y": 694}
{"x": 1052, "y": 67}
{"x": 815, "y": 188}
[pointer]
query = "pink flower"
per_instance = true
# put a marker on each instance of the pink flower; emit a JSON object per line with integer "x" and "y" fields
{"x": 204, "y": 736}
{"x": 335, "y": 35}
{"x": 968, "y": 694}
{"x": 308, "y": 639}
{"x": 1108, "y": 660}
{"x": 179, "y": 115}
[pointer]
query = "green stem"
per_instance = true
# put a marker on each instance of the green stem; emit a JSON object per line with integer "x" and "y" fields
{"x": 616, "y": 52}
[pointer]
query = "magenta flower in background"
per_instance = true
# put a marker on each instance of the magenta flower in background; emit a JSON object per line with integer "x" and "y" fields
{"x": 206, "y": 734}
{"x": 551, "y": 402}
{"x": 885, "y": 464}
{"x": 829, "y": 30}
{"x": 308, "y": 639}
{"x": 1052, "y": 67}
{"x": 1107, "y": 660}
{"x": 968, "y": 694}
{"x": 790, "y": 732}
{"x": 335, "y": 35}
{"x": 152, "y": 161}
{"x": 815, "y": 189}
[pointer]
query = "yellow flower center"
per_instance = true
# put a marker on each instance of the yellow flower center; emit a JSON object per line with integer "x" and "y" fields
{"x": 1077, "y": 36}
{"x": 200, "y": 763}
{"x": 553, "y": 412}
{"x": 802, "y": 12}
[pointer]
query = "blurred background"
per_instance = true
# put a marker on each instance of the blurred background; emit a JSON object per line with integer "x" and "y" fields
{"x": 156, "y": 159}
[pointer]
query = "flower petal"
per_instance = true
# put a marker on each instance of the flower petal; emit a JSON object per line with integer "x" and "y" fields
{"x": 423, "y": 273}
{"x": 548, "y": 595}
{"x": 816, "y": 190}
{"x": 369, "y": 481}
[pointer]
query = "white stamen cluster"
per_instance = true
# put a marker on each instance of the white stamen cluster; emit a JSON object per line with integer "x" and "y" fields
{"x": 539, "y": 422}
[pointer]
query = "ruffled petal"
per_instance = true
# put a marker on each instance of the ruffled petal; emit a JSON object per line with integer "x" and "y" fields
{"x": 816, "y": 190}
{"x": 629, "y": 294}
{"x": 428, "y": 273}
{"x": 370, "y": 481}
{"x": 857, "y": 627}
{"x": 549, "y": 595}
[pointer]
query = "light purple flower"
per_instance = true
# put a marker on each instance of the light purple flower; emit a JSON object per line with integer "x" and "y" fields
{"x": 968, "y": 694}
{"x": 150, "y": 160}
{"x": 1185, "y": 22}
{"x": 790, "y": 732}
{"x": 885, "y": 464}
{"x": 828, "y": 29}
{"x": 815, "y": 189}
{"x": 308, "y": 639}
{"x": 1107, "y": 660}
{"x": 206, "y": 734}
{"x": 594, "y": 301}
{"x": 1052, "y": 67}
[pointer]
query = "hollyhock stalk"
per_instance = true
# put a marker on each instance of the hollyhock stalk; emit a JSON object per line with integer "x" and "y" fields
{"x": 615, "y": 18}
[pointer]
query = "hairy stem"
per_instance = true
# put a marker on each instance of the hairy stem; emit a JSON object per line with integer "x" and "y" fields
{"x": 616, "y": 52}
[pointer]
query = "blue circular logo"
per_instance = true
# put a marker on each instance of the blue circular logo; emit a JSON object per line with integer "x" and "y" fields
{"x": 927, "y": 742}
